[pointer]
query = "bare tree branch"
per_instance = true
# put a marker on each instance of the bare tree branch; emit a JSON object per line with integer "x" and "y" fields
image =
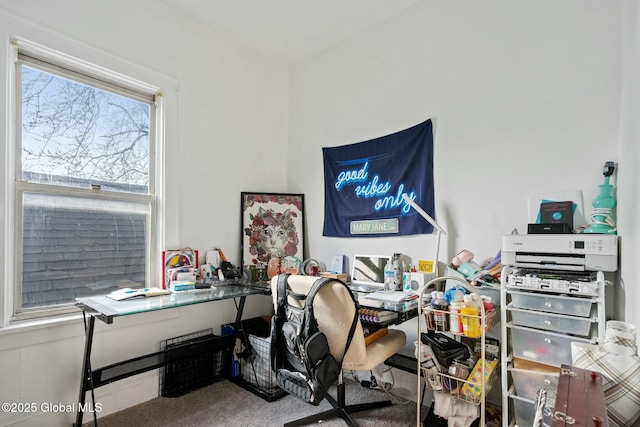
{"x": 80, "y": 131}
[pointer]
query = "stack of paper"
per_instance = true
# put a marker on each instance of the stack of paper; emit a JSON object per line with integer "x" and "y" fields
{"x": 392, "y": 296}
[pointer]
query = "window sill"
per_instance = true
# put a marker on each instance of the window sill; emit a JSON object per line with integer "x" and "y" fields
{"x": 20, "y": 326}
{"x": 70, "y": 326}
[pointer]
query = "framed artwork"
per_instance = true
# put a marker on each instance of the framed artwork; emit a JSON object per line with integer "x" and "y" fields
{"x": 272, "y": 234}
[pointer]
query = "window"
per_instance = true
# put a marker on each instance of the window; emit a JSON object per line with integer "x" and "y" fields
{"x": 84, "y": 182}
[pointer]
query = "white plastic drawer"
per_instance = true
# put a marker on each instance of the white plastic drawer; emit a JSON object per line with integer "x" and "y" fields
{"x": 552, "y": 322}
{"x": 527, "y": 383}
{"x": 525, "y": 412}
{"x": 542, "y": 346}
{"x": 574, "y": 306}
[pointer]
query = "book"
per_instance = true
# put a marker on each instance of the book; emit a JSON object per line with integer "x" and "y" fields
{"x": 128, "y": 293}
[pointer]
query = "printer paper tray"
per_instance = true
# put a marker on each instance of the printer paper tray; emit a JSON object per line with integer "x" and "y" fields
{"x": 550, "y": 262}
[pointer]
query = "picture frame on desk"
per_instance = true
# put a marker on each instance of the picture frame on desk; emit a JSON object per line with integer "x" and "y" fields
{"x": 175, "y": 258}
{"x": 272, "y": 231}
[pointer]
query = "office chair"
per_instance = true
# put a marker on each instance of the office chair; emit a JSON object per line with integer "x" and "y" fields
{"x": 334, "y": 311}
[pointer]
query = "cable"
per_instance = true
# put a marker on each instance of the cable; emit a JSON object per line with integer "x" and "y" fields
{"x": 381, "y": 386}
{"x": 388, "y": 386}
{"x": 603, "y": 216}
{"x": 394, "y": 397}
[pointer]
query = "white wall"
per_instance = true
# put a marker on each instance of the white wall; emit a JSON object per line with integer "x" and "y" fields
{"x": 524, "y": 96}
{"x": 629, "y": 154}
{"x": 525, "y": 99}
{"x": 226, "y": 128}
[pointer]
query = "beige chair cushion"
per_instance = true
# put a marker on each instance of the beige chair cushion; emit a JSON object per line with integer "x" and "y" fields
{"x": 334, "y": 311}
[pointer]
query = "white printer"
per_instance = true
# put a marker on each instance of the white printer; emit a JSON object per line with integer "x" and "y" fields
{"x": 572, "y": 252}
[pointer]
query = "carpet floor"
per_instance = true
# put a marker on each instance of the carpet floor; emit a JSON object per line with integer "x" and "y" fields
{"x": 226, "y": 404}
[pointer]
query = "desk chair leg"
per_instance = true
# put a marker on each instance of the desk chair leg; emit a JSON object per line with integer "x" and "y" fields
{"x": 340, "y": 409}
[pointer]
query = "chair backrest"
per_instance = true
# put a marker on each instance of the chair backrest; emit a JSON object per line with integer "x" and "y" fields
{"x": 334, "y": 310}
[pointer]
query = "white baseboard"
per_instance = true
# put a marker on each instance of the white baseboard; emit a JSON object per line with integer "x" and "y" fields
{"x": 126, "y": 393}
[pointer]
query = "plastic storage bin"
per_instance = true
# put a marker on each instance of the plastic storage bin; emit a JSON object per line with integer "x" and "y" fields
{"x": 573, "y": 306}
{"x": 552, "y": 322}
{"x": 525, "y": 411}
{"x": 542, "y": 346}
{"x": 529, "y": 377}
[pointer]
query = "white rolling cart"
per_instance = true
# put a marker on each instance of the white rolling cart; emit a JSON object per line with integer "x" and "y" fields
{"x": 422, "y": 371}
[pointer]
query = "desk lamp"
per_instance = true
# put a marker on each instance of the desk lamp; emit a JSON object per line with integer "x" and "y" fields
{"x": 439, "y": 230}
{"x": 602, "y": 221}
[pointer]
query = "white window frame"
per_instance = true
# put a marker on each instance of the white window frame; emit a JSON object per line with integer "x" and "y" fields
{"x": 79, "y": 70}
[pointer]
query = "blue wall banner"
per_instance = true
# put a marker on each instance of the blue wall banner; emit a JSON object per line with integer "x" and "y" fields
{"x": 364, "y": 184}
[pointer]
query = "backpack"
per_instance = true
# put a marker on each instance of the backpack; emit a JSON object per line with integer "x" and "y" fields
{"x": 300, "y": 355}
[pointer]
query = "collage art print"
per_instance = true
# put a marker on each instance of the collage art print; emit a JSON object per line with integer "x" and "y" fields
{"x": 272, "y": 230}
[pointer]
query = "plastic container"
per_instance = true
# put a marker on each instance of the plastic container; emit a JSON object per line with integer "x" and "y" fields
{"x": 397, "y": 272}
{"x": 388, "y": 276}
{"x": 430, "y": 314}
{"x": 487, "y": 302}
{"x": 525, "y": 411}
{"x": 470, "y": 320}
{"x": 552, "y": 322}
{"x": 529, "y": 377}
{"x": 574, "y": 306}
{"x": 542, "y": 346}
{"x": 441, "y": 317}
{"x": 489, "y": 311}
{"x": 455, "y": 320}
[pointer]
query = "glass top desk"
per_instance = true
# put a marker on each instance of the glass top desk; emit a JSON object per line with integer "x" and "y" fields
{"x": 106, "y": 309}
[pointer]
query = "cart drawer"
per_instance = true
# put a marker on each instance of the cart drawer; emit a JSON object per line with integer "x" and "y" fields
{"x": 552, "y": 322}
{"x": 529, "y": 377}
{"x": 573, "y": 306}
{"x": 542, "y": 346}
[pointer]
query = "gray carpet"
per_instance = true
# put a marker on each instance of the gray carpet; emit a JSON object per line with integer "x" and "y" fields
{"x": 226, "y": 404}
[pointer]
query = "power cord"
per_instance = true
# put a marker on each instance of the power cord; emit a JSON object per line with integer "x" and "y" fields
{"x": 374, "y": 384}
{"x": 603, "y": 216}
